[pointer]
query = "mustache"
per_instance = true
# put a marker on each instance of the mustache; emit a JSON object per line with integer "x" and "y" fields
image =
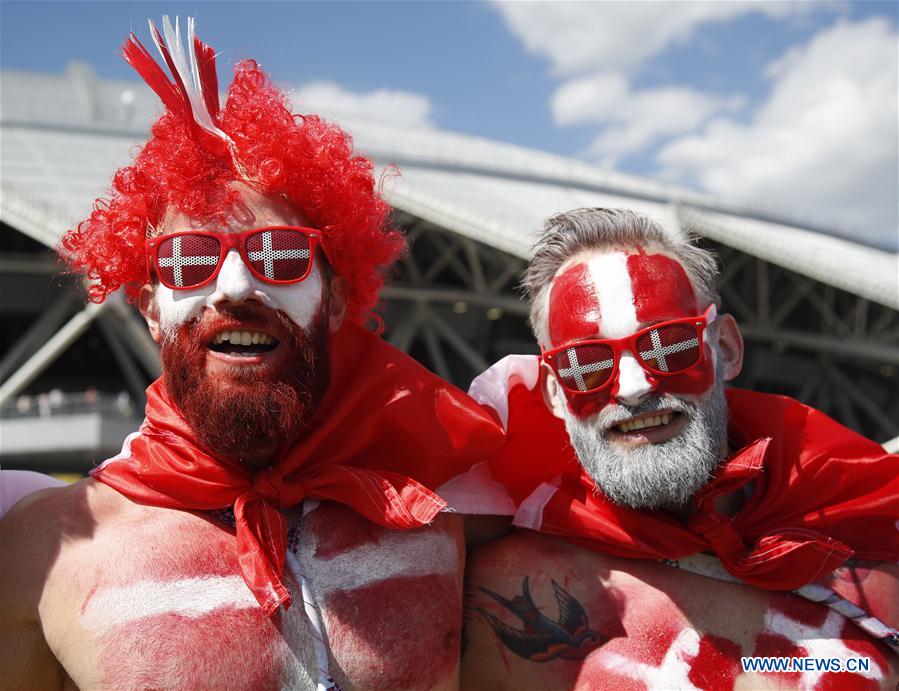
{"x": 253, "y": 316}
{"x": 614, "y": 414}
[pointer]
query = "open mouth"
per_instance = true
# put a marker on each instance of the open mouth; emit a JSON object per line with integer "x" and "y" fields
{"x": 653, "y": 427}
{"x": 642, "y": 422}
{"x": 243, "y": 343}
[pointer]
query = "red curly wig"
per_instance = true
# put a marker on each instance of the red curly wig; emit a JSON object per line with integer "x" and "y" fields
{"x": 307, "y": 160}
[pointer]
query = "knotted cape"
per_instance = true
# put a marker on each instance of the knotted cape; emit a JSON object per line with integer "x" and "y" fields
{"x": 388, "y": 432}
{"x": 817, "y": 493}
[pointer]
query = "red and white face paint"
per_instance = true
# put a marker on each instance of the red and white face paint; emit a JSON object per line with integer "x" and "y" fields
{"x": 235, "y": 283}
{"x": 613, "y": 295}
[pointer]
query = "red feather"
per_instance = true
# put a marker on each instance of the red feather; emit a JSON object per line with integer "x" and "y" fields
{"x": 163, "y": 48}
{"x": 140, "y": 59}
{"x": 208, "y": 77}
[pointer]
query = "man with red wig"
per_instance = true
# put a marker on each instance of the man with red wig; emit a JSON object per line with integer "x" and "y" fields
{"x": 274, "y": 521}
{"x": 662, "y": 520}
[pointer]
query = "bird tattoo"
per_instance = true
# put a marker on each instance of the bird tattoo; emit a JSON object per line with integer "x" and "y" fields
{"x": 542, "y": 639}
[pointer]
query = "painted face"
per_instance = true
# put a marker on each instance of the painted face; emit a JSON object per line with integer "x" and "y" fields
{"x": 613, "y": 295}
{"x": 235, "y": 284}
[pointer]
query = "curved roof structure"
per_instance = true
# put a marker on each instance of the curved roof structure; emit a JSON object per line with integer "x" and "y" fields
{"x": 63, "y": 135}
{"x": 820, "y": 312}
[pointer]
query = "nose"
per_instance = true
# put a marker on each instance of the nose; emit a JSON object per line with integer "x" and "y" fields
{"x": 633, "y": 381}
{"x": 235, "y": 283}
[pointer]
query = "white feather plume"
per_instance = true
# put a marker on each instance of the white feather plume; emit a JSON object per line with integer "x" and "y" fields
{"x": 188, "y": 70}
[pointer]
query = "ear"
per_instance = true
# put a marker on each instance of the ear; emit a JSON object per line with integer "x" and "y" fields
{"x": 339, "y": 294}
{"x": 553, "y": 396}
{"x": 730, "y": 342}
{"x": 146, "y": 303}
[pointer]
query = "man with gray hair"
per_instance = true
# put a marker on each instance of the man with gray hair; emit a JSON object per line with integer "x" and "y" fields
{"x": 678, "y": 503}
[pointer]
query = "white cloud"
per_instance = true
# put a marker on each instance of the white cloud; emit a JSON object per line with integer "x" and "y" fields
{"x": 594, "y": 47}
{"x": 402, "y": 108}
{"x": 825, "y": 142}
{"x": 580, "y": 37}
{"x": 633, "y": 120}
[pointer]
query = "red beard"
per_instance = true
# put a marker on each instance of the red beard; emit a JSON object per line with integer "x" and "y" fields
{"x": 255, "y": 413}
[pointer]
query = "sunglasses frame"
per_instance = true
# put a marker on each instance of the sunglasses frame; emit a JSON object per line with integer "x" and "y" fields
{"x": 629, "y": 344}
{"x": 227, "y": 242}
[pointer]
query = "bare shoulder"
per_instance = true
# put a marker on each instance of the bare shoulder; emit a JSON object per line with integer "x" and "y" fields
{"x": 35, "y": 535}
{"x": 545, "y": 613}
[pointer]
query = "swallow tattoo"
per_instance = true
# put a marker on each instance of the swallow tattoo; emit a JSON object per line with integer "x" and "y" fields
{"x": 542, "y": 639}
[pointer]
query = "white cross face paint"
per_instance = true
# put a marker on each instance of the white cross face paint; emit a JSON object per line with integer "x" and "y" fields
{"x": 613, "y": 295}
{"x": 235, "y": 284}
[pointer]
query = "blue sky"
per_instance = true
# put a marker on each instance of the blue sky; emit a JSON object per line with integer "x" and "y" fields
{"x": 785, "y": 106}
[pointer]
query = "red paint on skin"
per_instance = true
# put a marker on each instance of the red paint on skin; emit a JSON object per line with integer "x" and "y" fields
{"x": 661, "y": 288}
{"x": 234, "y": 649}
{"x": 177, "y": 545}
{"x": 814, "y": 615}
{"x": 803, "y": 611}
{"x": 574, "y": 312}
{"x": 661, "y": 291}
{"x": 418, "y": 650}
{"x": 338, "y": 530}
{"x": 864, "y": 646}
{"x": 716, "y": 665}
{"x": 773, "y": 645}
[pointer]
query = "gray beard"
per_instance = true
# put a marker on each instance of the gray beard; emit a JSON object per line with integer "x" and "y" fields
{"x": 654, "y": 476}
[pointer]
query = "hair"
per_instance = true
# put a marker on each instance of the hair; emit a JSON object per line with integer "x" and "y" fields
{"x": 568, "y": 234}
{"x": 302, "y": 158}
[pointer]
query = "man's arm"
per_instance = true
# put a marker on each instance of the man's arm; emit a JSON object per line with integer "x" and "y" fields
{"x": 25, "y": 657}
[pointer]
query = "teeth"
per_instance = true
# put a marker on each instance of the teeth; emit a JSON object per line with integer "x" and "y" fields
{"x": 651, "y": 421}
{"x": 242, "y": 338}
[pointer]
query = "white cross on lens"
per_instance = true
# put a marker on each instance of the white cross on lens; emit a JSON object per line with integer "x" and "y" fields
{"x": 269, "y": 255}
{"x": 176, "y": 261}
{"x": 576, "y": 370}
{"x": 659, "y": 351}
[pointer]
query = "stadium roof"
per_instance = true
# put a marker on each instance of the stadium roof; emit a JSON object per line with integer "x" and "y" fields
{"x": 63, "y": 135}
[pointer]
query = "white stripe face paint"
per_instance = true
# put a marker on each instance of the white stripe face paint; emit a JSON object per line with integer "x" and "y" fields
{"x": 188, "y": 597}
{"x": 615, "y": 294}
{"x": 235, "y": 284}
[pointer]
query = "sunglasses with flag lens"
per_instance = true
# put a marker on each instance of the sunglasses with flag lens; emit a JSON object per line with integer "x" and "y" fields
{"x": 276, "y": 254}
{"x": 671, "y": 347}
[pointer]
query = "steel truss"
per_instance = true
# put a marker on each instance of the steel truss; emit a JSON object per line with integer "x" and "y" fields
{"x": 453, "y": 304}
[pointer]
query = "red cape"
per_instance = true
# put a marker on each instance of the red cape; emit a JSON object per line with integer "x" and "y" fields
{"x": 386, "y": 434}
{"x": 821, "y": 492}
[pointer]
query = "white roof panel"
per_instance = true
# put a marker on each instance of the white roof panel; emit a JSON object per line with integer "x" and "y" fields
{"x": 64, "y": 135}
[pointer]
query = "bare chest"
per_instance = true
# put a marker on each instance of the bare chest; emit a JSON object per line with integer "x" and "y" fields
{"x": 594, "y": 622}
{"x": 161, "y": 603}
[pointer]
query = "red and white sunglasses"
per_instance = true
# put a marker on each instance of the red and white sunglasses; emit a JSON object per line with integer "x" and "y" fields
{"x": 274, "y": 254}
{"x": 666, "y": 348}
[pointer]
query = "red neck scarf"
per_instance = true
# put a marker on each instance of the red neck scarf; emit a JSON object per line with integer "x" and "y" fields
{"x": 384, "y": 421}
{"x": 820, "y": 494}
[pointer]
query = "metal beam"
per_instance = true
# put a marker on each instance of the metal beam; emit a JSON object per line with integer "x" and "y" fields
{"x": 38, "y": 333}
{"x": 110, "y": 326}
{"x": 508, "y": 304}
{"x": 51, "y": 350}
{"x": 138, "y": 337}
{"x": 28, "y": 263}
{"x": 438, "y": 360}
{"x": 469, "y": 354}
{"x": 821, "y": 343}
